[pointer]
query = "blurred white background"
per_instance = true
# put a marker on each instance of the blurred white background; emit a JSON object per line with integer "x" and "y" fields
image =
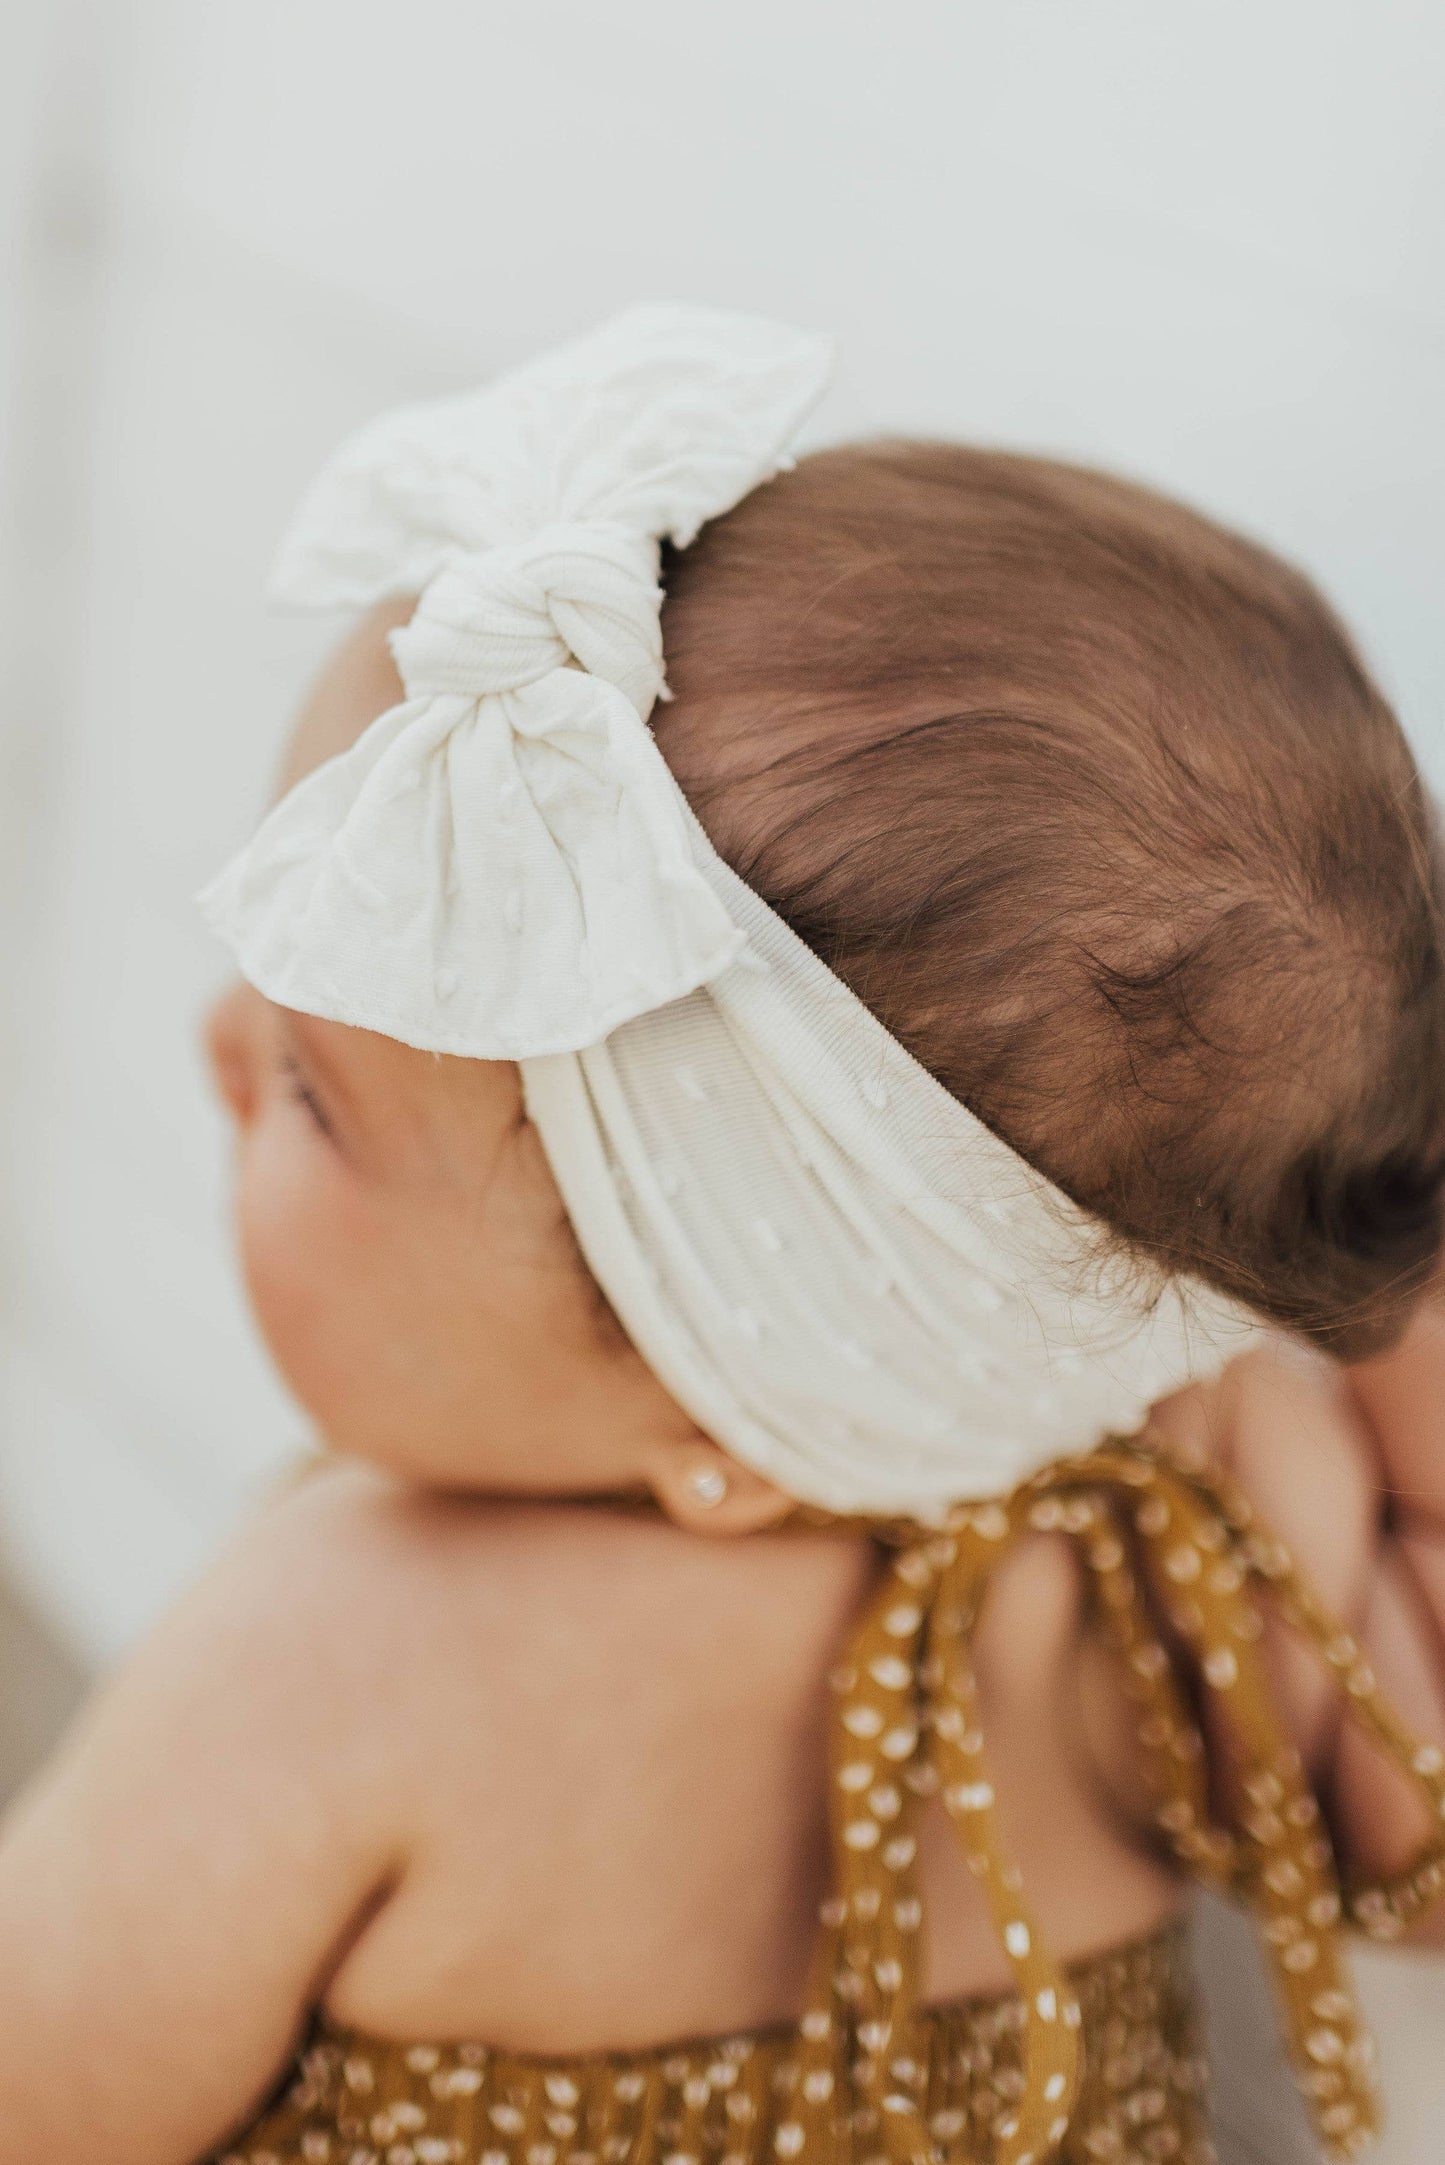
{"x": 1199, "y": 242}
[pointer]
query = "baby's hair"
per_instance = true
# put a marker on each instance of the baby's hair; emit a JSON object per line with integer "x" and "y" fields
{"x": 1095, "y": 805}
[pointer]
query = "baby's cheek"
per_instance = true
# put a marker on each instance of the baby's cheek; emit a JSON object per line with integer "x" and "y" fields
{"x": 304, "y": 1252}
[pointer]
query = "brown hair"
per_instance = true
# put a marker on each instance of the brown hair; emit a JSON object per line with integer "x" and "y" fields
{"x": 1095, "y": 805}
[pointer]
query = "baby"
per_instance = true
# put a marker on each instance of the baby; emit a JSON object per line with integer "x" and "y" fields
{"x": 690, "y": 1372}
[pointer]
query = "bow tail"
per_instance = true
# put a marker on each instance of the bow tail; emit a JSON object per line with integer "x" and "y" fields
{"x": 906, "y": 1727}
{"x": 1201, "y": 1559}
{"x": 1031, "y": 2131}
{"x": 1164, "y": 1545}
{"x": 860, "y": 2035}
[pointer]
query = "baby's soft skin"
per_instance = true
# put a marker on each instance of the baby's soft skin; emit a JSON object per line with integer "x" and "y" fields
{"x": 452, "y": 1744}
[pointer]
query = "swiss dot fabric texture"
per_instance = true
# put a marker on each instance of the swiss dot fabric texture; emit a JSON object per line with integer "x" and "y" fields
{"x": 501, "y": 865}
{"x": 841, "y": 1274}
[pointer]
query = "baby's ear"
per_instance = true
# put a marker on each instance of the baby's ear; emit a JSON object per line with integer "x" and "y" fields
{"x": 701, "y": 1488}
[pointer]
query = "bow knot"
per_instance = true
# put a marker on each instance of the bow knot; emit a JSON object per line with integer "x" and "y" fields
{"x": 502, "y": 865}
{"x": 501, "y": 618}
{"x": 907, "y": 1725}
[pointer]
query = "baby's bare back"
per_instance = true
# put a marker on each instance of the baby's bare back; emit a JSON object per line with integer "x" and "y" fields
{"x": 605, "y": 1748}
{"x": 554, "y": 1777}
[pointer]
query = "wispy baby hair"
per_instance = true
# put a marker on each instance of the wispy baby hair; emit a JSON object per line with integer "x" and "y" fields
{"x": 1095, "y": 805}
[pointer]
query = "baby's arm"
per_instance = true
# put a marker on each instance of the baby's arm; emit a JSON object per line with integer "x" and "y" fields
{"x": 1401, "y": 1398}
{"x": 1349, "y": 1470}
{"x": 176, "y": 1887}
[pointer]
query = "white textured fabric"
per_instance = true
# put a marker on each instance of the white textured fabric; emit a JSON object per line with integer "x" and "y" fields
{"x": 501, "y": 865}
{"x": 843, "y": 1276}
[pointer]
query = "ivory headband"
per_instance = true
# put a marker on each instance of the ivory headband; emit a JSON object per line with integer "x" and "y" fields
{"x": 841, "y": 1274}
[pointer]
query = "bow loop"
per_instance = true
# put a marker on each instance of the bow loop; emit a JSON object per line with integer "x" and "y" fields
{"x": 502, "y": 866}
{"x": 497, "y": 620}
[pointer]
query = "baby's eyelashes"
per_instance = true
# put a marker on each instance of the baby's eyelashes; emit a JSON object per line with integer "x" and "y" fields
{"x": 249, "y": 1054}
{"x": 298, "y": 1088}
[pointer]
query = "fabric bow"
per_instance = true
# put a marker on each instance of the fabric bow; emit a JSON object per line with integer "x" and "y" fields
{"x": 502, "y": 866}
{"x": 1170, "y": 1551}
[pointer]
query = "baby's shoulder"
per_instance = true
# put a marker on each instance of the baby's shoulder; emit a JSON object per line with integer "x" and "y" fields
{"x": 388, "y": 1597}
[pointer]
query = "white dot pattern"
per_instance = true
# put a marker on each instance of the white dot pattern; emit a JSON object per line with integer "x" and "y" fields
{"x": 748, "y": 2100}
{"x": 1094, "y": 2065}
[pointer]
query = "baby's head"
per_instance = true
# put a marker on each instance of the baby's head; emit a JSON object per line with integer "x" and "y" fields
{"x": 1090, "y": 801}
{"x": 1094, "y": 804}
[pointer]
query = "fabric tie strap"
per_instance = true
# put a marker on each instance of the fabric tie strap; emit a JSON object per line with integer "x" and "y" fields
{"x": 1163, "y": 1546}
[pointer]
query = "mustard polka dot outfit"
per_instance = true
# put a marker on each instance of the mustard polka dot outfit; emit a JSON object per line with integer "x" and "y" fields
{"x": 1093, "y": 2064}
